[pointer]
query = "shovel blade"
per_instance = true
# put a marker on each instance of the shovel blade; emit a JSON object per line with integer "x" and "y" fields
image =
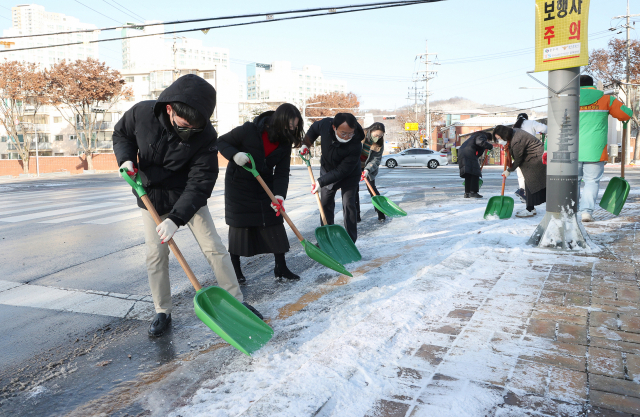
{"x": 499, "y": 206}
{"x": 615, "y": 195}
{"x": 388, "y": 207}
{"x": 319, "y": 256}
{"x": 231, "y": 320}
{"x": 335, "y": 242}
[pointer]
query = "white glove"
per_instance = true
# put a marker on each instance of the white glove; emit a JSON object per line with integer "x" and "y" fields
{"x": 166, "y": 229}
{"x": 241, "y": 158}
{"x": 506, "y": 173}
{"x": 315, "y": 187}
{"x": 275, "y": 208}
{"x": 304, "y": 150}
{"x": 128, "y": 165}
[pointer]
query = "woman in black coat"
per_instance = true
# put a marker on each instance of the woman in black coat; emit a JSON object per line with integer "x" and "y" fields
{"x": 526, "y": 151}
{"x": 255, "y": 224}
{"x": 468, "y": 163}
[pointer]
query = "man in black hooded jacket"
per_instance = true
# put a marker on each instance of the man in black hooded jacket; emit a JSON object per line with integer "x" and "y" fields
{"x": 174, "y": 148}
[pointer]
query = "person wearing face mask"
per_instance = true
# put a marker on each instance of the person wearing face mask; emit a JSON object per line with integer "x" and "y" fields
{"x": 372, "y": 150}
{"x": 526, "y": 151}
{"x": 469, "y": 164}
{"x": 255, "y": 223}
{"x": 341, "y": 143}
{"x": 532, "y": 127}
{"x": 171, "y": 143}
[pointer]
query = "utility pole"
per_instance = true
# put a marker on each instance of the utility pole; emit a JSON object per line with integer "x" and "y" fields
{"x": 428, "y": 75}
{"x": 628, "y": 16}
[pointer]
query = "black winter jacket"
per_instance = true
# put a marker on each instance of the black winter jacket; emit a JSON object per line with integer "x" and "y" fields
{"x": 527, "y": 151}
{"x": 469, "y": 153}
{"x": 178, "y": 175}
{"x": 246, "y": 203}
{"x": 340, "y": 162}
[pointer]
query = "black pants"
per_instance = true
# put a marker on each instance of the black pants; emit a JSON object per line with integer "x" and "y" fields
{"x": 349, "y": 195}
{"x": 373, "y": 185}
{"x": 471, "y": 183}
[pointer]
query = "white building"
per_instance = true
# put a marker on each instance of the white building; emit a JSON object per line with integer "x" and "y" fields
{"x": 278, "y": 82}
{"x": 148, "y": 85}
{"x": 162, "y": 52}
{"x": 31, "y": 19}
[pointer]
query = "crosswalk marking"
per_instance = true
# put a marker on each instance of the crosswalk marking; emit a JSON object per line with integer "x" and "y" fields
{"x": 118, "y": 218}
{"x": 38, "y": 296}
{"x": 92, "y": 214}
{"x": 7, "y": 206}
{"x": 106, "y": 195}
{"x": 38, "y": 207}
{"x": 51, "y": 213}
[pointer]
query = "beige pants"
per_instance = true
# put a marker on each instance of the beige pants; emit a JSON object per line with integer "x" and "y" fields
{"x": 204, "y": 231}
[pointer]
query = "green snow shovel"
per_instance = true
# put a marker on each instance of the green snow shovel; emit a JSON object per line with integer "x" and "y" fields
{"x": 312, "y": 250}
{"x": 618, "y": 189}
{"x": 218, "y": 310}
{"x": 333, "y": 239}
{"x": 484, "y": 158}
{"x": 500, "y": 206}
{"x": 386, "y": 206}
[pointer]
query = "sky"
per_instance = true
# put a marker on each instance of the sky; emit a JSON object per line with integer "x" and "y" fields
{"x": 374, "y": 51}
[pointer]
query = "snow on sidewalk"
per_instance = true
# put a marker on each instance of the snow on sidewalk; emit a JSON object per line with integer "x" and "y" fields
{"x": 453, "y": 316}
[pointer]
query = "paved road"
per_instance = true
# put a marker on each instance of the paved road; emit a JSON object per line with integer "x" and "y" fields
{"x": 74, "y": 292}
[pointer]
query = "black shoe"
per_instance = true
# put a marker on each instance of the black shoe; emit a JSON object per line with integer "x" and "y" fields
{"x": 253, "y": 310}
{"x": 466, "y": 195}
{"x": 241, "y": 279}
{"x": 523, "y": 196}
{"x": 159, "y": 324}
{"x": 284, "y": 272}
{"x": 474, "y": 195}
{"x": 359, "y": 219}
{"x": 381, "y": 218}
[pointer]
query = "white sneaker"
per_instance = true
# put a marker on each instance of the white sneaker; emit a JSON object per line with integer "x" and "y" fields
{"x": 526, "y": 213}
{"x": 586, "y": 217}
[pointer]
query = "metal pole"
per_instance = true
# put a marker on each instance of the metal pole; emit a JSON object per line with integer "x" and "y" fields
{"x": 560, "y": 228}
{"x": 427, "y": 115}
{"x": 626, "y": 141}
{"x": 35, "y": 129}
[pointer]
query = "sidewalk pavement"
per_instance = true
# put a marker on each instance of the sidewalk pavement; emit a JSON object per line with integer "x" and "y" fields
{"x": 568, "y": 342}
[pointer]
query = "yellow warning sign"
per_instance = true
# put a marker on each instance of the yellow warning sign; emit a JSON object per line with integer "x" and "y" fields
{"x": 561, "y": 34}
{"x": 411, "y": 126}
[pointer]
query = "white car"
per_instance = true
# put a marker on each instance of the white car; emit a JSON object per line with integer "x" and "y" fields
{"x": 415, "y": 157}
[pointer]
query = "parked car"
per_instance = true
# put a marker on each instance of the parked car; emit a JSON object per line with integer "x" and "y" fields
{"x": 415, "y": 157}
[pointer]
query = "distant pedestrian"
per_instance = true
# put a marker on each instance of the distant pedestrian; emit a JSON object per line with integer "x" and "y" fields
{"x": 341, "y": 141}
{"x": 595, "y": 109}
{"x": 372, "y": 150}
{"x": 534, "y": 128}
{"x": 174, "y": 147}
{"x": 468, "y": 162}
{"x": 255, "y": 224}
{"x": 526, "y": 151}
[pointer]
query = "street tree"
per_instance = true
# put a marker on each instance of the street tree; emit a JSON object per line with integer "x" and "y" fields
{"x": 23, "y": 91}
{"x": 327, "y": 105}
{"x": 83, "y": 89}
{"x": 609, "y": 66}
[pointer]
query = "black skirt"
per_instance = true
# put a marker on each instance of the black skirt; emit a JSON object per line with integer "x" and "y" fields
{"x": 537, "y": 198}
{"x": 250, "y": 241}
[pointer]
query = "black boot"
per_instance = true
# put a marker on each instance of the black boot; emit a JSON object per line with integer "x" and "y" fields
{"x": 474, "y": 195}
{"x": 235, "y": 261}
{"x": 358, "y": 219}
{"x": 159, "y": 324}
{"x": 253, "y": 310}
{"x": 381, "y": 216}
{"x": 466, "y": 195}
{"x": 281, "y": 270}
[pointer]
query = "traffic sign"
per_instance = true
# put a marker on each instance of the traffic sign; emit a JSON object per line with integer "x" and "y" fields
{"x": 411, "y": 126}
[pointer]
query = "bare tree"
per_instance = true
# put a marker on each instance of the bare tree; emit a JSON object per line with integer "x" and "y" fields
{"x": 83, "y": 89}
{"x": 23, "y": 91}
{"x": 331, "y": 103}
{"x": 608, "y": 65}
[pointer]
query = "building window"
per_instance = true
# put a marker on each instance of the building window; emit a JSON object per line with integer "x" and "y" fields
{"x": 207, "y": 75}
{"x": 128, "y": 79}
{"x": 57, "y": 119}
{"x": 59, "y": 138}
{"x": 3, "y": 138}
{"x": 58, "y": 154}
{"x": 73, "y": 137}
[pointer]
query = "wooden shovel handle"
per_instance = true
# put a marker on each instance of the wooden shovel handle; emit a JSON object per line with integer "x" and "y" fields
{"x": 507, "y": 157}
{"x": 282, "y": 212}
{"x": 624, "y": 148}
{"x": 369, "y": 185}
{"x": 172, "y": 245}
{"x": 313, "y": 181}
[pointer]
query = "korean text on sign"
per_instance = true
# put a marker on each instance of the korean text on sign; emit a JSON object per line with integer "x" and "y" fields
{"x": 561, "y": 34}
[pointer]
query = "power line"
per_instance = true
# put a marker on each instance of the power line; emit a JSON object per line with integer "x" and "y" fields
{"x": 120, "y": 10}
{"x": 331, "y": 10}
{"x": 134, "y": 13}
{"x": 390, "y": 5}
{"x": 95, "y": 11}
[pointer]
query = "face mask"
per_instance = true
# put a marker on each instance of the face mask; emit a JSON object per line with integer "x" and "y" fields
{"x": 375, "y": 139}
{"x": 502, "y": 142}
{"x": 342, "y": 140}
{"x": 184, "y": 132}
